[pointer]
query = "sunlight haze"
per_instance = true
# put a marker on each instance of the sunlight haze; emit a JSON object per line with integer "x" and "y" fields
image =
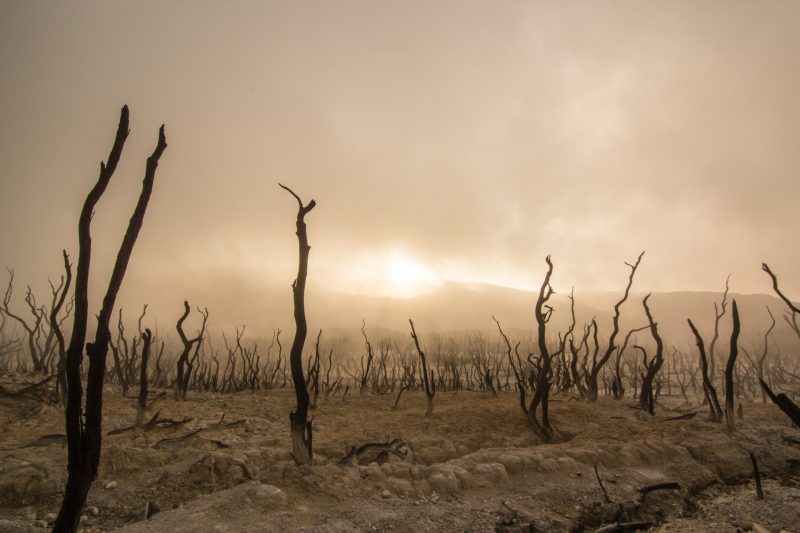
{"x": 442, "y": 141}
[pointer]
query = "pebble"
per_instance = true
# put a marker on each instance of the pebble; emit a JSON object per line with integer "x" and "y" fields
{"x": 386, "y": 494}
{"x": 111, "y": 485}
{"x": 94, "y": 511}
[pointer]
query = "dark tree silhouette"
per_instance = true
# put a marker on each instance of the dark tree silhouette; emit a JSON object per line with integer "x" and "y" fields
{"x": 730, "y": 419}
{"x": 31, "y": 329}
{"x": 597, "y": 366}
{"x": 708, "y": 384}
{"x": 784, "y": 404}
{"x": 791, "y": 319}
{"x": 84, "y": 434}
{"x": 652, "y": 367}
{"x": 55, "y": 325}
{"x": 184, "y": 364}
{"x": 301, "y": 430}
{"x": 141, "y": 403}
{"x": 428, "y": 381}
{"x": 541, "y": 394}
{"x": 365, "y": 368}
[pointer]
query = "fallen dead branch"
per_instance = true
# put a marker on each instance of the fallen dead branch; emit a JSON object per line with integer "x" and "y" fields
{"x": 644, "y": 491}
{"x": 363, "y": 454}
{"x": 624, "y": 526}
{"x": 218, "y": 425}
{"x": 154, "y": 422}
{"x": 28, "y": 391}
{"x": 44, "y": 440}
{"x": 602, "y": 487}
{"x": 178, "y": 439}
{"x": 686, "y": 416}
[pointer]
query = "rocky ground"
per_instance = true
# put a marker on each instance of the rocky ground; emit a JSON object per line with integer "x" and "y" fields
{"x": 472, "y": 466}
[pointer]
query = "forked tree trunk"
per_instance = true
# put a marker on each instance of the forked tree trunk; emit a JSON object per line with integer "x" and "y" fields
{"x": 84, "y": 436}
{"x": 730, "y": 418}
{"x": 300, "y": 425}
{"x": 646, "y": 397}
{"x": 597, "y": 366}
{"x": 708, "y": 385}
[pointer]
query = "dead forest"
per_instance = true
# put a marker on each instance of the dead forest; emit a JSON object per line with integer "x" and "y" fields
{"x": 396, "y": 419}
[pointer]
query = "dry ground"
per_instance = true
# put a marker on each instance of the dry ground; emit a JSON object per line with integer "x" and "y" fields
{"x": 472, "y": 466}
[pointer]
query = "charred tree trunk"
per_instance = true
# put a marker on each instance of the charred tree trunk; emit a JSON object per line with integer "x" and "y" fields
{"x": 300, "y": 425}
{"x": 541, "y": 394}
{"x": 783, "y": 402}
{"x": 598, "y": 366}
{"x": 61, "y": 378}
{"x": 730, "y": 418}
{"x": 84, "y": 436}
{"x": 646, "y": 397}
{"x": 147, "y": 340}
{"x": 184, "y": 366}
{"x": 708, "y": 385}
{"x": 370, "y": 356}
{"x": 428, "y": 381}
{"x": 791, "y": 319}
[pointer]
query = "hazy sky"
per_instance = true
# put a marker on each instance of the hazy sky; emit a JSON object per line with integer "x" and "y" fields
{"x": 441, "y": 140}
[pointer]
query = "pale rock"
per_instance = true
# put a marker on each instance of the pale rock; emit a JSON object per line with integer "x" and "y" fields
{"x": 268, "y": 495}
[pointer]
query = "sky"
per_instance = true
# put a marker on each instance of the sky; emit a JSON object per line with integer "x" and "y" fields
{"x": 442, "y": 141}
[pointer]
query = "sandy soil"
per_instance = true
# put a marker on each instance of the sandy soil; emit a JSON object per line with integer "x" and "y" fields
{"x": 472, "y": 466}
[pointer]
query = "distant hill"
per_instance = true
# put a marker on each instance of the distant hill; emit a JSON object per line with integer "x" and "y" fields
{"x": 456, "y": 307}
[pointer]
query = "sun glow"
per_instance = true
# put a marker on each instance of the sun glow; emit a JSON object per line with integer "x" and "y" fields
{"x": 393, "y": 273}
{"x": 406, "y": 277}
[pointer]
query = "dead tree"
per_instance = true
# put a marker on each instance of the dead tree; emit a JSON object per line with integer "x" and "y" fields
{"x": 120, "y": 366}
{"x": 758, "y": 364}
{"x": 598, "y": 365}
{"x": 365, "y": 368}
{"x": 783, "y": 402}
{"x": 617, "y": 387}
{"x": 84, "y": 434}
{"x": 301, "y": 429}
{"x": 516, "y": 366}
{"x": 730, "y": 419}
{"x": 31, "y": 329}
{"x": 55, "y": 325}
{"x": 708, "y": 385}
{"x": 184, "y": 365}
{"x": 428, "y": 381}
{"x": 719, "y": 312}
{"x": 651, "y": 368}
{"x": 790, "y": 319}
{"x": 147, "y": 340}
{"x": 541, "y": 393}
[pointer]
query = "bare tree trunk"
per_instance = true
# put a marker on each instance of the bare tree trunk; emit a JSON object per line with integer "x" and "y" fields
{"x": 147, "y": 339}
{"x": 184, "y": 366}
{"x": 300, "y": 425}
{"x": 84, "y": 436}
{"x": 56, "y": 327}
{"x": 428, "y": 381}
{"x": 541, "y": 394}
{"x": 646, "y": 397}
{"x": 598, "y": 365}
{"x": 708, "y": 384}
{"x": 730, "y": 418}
